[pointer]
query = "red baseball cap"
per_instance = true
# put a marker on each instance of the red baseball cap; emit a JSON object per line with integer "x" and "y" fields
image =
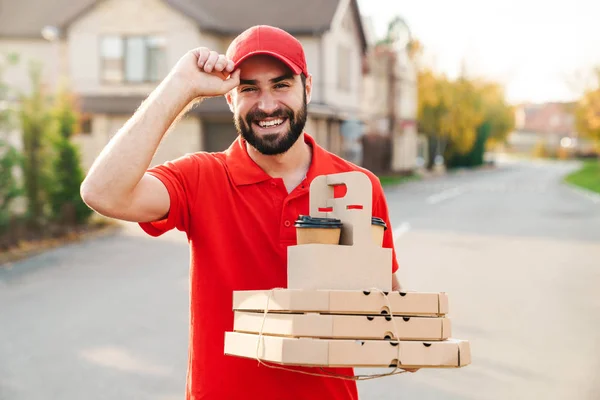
{"x": 264, "y": 39}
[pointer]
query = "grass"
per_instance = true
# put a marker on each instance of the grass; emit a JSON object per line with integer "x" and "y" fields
{"x": 587, "y": 177}
{"x": 391, "y": 180}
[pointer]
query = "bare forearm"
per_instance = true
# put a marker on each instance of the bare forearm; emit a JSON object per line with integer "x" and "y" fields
{"x": 123, "y": 162}
{"x": 116, "y": 185}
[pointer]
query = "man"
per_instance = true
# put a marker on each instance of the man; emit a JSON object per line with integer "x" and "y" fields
{"x": 237, "y": 207}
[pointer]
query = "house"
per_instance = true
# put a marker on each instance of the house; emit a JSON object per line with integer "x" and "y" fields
{"x": 389, "y": 106}
{"x": 114, "y": 52}
{"x": 548, "y": 126}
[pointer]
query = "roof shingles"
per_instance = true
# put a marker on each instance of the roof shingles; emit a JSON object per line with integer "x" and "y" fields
{"x": 26, "y": 18}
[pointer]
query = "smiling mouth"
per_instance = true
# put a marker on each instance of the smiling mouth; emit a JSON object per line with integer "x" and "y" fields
{"x": 270, "y": 123}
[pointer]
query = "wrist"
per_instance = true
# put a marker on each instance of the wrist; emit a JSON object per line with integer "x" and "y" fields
{"x": 178, "y": 88}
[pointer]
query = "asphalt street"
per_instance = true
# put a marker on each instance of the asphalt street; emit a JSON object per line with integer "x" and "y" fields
{"x": 517, "y": 251}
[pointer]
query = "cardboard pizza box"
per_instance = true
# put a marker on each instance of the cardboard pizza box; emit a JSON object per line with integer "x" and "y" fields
{"x": 343, "y": 302}
{"x": 343, "y": 326}
{"x": 357, "y": 262}
{"x": 451, "y": 353}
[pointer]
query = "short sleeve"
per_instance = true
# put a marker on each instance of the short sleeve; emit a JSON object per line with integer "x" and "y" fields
{"x": 380, "y": 209}
{"x": 181, "y": 178}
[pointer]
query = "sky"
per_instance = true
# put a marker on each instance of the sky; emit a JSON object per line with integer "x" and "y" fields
{"x": 539, "y": 50}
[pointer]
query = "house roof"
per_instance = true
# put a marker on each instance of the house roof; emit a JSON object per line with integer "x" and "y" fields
{"x": 547, "y": 118}
{"x": 27, "y": 18}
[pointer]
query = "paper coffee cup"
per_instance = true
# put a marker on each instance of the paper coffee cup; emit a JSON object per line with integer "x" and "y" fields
{"x": 318, "y": 230}
{"x": 378, "y": 228}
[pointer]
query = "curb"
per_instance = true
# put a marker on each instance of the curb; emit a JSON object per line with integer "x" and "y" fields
{"x": 11, "y": 256}
{"x": 593, "y": 196}
{"x": 457, "y": 171}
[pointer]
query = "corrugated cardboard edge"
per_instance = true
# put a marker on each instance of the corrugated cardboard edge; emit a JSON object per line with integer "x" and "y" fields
{"x": 279, "y": 348}
{"x": 281, "y": 300}
{"x": 251, "y": 322}
{"x": 464, "y": 353}
{"x": 446, "y": 324}
{"x": 443, "y": 303}
{"x": 245, "y": 344}
{"x": 287, "y": 300}
{"x": 327, "y": 326}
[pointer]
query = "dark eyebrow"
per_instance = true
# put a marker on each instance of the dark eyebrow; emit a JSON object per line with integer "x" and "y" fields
{"x": 274, "y": 80}
{"x": 282, "y": 78}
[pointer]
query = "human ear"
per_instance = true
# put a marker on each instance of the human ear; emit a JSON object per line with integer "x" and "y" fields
{"x": 229, "y": 98}
{"x": 308, "y": 88}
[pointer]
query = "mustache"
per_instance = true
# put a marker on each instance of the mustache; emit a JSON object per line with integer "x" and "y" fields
{"x": 279, "y": 113}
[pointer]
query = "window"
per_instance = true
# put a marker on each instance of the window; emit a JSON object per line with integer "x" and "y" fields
{"x": 85, "y": 124}
{"x": 132, "y": 59}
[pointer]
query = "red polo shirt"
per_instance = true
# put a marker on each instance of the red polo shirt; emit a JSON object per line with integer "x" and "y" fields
{"x": 239, "y": 222}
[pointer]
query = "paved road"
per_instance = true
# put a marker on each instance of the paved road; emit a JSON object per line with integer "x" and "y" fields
{"x": 517, "y": 252}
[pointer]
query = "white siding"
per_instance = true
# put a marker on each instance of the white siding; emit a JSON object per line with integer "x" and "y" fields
{"x": 185, "y": 137}
{"x": 343, "y": 34}
{"x": 407, "y": 96}
{"x": 312, "y": 51}
{"x": 31, "y": 50}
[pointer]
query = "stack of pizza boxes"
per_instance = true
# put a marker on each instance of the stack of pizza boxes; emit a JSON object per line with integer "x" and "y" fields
{"x": 339, "y": 309}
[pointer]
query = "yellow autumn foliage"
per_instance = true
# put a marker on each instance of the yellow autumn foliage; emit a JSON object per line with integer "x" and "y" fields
{"x": 456, "y": 109}
{"x": 587, "y": 113}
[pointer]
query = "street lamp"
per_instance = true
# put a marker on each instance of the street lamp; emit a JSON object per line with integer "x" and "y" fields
{"x": 399, "y": 37}
{"x": 400, "y": 33}
{"x": 50, "y": 33}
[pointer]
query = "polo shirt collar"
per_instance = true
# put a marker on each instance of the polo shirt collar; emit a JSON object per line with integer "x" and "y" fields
{"x": 245, "y": 171}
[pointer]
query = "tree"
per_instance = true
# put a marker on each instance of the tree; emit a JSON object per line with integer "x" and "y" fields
{"x": 459, "y": 117}
{"x": 10, "y": 159}
{"x": 433, "y": 104}
{"x": 36, "y": 128}
{"x": 587, "y": 111}
{"x": 463, "y": 117}
{"x": 64, "y": 195}
{"x": 498, "y": 113}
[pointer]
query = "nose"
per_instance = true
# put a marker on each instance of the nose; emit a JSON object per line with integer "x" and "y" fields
{"x": 267, "y": 103}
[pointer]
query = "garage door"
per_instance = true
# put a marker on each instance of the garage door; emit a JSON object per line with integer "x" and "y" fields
{"x": 218, "y": 136}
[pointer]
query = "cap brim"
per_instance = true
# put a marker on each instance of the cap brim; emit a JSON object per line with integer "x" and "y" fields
{"x": 297, "y": 70}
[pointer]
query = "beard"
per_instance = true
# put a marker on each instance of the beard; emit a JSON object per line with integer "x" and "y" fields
{"x": 273, "y": 143}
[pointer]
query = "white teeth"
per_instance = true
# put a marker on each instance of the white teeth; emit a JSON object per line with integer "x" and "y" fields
{"x": 266, "y": 124}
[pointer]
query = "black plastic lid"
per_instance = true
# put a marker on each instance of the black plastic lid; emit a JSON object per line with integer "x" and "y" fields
{"x": 378, "y": 221}
{"x": 306, "y": 221}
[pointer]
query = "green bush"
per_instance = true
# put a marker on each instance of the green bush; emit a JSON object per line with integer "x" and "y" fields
{"x": 36, "y": 125}
{"x": 473, "y": 157}
{"x": 10, "y": 159}
{"x": 64, "y": 195}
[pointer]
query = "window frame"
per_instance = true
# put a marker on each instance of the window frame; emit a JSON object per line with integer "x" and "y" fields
{"x": 123, "y": 64}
